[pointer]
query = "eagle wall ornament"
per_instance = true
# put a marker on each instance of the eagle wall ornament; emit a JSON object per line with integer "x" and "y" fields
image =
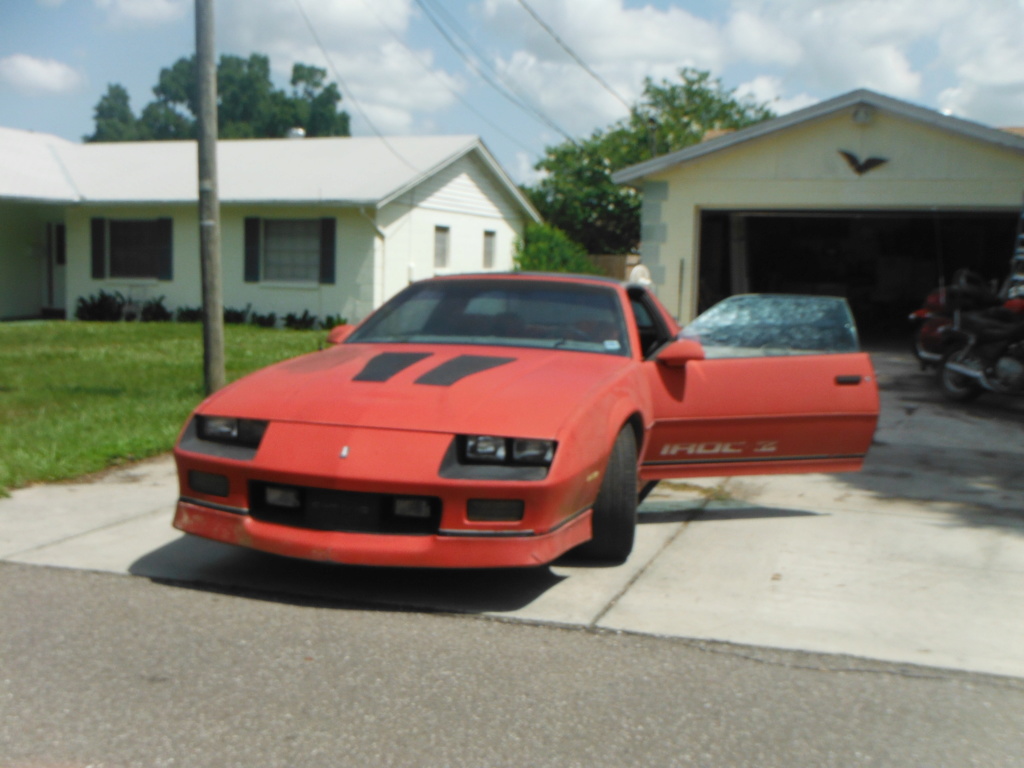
{"x": 860, "y": 168}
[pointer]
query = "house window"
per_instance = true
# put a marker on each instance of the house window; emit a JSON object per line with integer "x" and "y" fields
{"x": 490, "y": 238}
{"x": 132, "y": 249}
{"x": 289, "y": 250}
{"x": 441, "y": 243}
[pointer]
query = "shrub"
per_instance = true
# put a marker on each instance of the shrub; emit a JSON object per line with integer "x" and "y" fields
{"x": 330, "y": 321}
{"x": 105, "y": 307}
{"x": 237, "y": 316}
{"x": 548, "y": 249}
{"x": 264, "y": 321}
{"x": 154, "y": 311}
{"x": 189, "y": 314}
{"x": 302, "y": 322}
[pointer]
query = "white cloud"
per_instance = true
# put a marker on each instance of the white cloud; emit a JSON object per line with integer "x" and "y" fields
{"x": 397, "y": 88}
{"x": 145, "y": 12}
{"x": 31, "y": 75}
{"x": 769, "y": 90}
{"x": 622, "y": 45}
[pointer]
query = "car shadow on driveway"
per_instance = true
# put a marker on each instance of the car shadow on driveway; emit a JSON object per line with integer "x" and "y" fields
{"x": 197, "y": 563}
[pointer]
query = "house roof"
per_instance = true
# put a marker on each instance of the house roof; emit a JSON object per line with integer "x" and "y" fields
{"x": 1007, "y": 139}
{"x": 341, "y": 171}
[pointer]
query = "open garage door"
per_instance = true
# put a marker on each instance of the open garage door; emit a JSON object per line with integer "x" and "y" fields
{"x": 882, "y": 262}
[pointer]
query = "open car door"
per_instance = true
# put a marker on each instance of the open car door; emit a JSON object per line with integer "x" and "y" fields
{"x": 762, "y": 384}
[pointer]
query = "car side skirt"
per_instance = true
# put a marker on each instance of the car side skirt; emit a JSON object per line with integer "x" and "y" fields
{"x": 667, "y": 470}
{"x": 440, "y": 551}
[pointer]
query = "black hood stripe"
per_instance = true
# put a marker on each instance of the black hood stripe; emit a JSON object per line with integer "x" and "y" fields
{"x": 459, "y": 368}
{"x": 387, "y": 364}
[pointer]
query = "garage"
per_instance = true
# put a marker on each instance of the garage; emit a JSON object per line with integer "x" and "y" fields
{"x": 863, "y": 196}
{"x": 883, "y": 262}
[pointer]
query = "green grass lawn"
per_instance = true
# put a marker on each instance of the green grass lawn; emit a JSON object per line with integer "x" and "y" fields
{"x": 79, "y": 397}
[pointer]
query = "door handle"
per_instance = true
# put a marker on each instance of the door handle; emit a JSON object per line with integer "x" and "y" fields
{"x": 848, "y": 381}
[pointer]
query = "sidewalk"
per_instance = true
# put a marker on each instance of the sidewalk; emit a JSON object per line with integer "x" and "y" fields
{"x": 918, "y": 559}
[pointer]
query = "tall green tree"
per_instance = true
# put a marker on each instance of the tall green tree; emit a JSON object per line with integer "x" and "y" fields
{"x": 114, "y": 118}
{"x": 576, "y": 193}
{"x": 250, "y": 106}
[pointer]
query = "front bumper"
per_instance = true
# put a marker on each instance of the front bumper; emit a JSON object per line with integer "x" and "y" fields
{"x": 380, "y": 463}
{"x": 464, "y": 550}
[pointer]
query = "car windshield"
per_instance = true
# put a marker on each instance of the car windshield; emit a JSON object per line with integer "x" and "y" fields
{"x": 765, "y": 324}
{"x": 524, "y": 313}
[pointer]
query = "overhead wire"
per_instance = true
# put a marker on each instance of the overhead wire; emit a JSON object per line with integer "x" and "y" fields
{"x": 475, "y": 61}
{"x": 351, "y": 95}
{"x": 465, "y": 102}
{"x": 575, "y": 56}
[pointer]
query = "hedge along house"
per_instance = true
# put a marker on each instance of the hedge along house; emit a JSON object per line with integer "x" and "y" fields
{"x": 863, "y": 196}
{"x": 331, "y": 226}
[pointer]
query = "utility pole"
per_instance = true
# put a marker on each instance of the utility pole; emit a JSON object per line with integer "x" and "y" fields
{"x": 209, "y": 203}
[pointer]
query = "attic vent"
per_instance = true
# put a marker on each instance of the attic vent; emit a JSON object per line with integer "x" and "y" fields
{"x": 296, "y": 133}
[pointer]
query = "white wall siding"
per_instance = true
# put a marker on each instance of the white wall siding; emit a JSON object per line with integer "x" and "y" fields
{"x": 465, "y": 187}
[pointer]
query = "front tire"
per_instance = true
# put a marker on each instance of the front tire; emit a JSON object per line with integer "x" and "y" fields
{"x": 614, "y": 516}
{"x": 956, "y": 386}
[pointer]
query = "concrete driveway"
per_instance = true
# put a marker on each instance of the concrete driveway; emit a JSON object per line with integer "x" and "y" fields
{"x": 919, "y": 559}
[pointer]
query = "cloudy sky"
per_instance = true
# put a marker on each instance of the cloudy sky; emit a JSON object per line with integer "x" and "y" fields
{"x": 497, "y": 72}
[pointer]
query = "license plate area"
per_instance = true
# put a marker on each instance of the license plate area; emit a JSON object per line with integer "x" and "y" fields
{"x": 322, "y": 509}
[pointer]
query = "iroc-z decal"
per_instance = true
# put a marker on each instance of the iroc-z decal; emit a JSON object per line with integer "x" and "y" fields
{"x": 719, "y": 449}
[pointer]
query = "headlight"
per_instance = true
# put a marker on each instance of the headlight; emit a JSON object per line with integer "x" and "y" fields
{"x": 224, "y": 429}
{"x": 489, "y": 449}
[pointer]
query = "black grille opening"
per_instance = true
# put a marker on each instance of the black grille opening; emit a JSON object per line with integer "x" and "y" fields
{"x": 321, "y": 509}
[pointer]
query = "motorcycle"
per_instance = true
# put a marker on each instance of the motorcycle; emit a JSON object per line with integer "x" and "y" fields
{"x": 988, "y": 355}
{"x": 933, "y": 323}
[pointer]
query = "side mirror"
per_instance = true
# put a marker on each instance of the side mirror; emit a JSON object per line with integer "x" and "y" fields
{"x": 339, "y": 333}
{"x": 680, "y": 352}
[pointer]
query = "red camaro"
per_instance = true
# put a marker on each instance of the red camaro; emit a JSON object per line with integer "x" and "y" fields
{"x": 502, "y": 420}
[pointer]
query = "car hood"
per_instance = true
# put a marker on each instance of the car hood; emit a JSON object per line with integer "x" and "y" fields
{"x": 452, "y": 389}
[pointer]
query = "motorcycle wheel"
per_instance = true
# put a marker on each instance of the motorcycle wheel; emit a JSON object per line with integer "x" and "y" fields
{"x": 956, "y": 386}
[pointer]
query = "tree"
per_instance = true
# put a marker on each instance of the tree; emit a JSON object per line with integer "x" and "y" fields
{"x": 547, "y": 249}
{"x": 114, "y": 118}
{"x": 249, "y": 104}
{"x": 577, "y": 194}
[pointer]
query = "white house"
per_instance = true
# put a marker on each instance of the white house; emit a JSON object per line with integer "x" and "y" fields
{"x": 862, "y": 195}
{"x": 333, "y": 226}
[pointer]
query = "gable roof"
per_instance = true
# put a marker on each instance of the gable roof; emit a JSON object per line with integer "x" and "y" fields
{"x": 851, "y": 100}
{"x": 343, "y": 171}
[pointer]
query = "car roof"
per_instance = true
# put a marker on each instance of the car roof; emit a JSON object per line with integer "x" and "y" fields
{"x": 565, "y": 277}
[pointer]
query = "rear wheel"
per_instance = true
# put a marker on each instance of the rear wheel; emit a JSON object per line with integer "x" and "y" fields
{"x": 614, "y": 517}
{"x": 955, "y": 386}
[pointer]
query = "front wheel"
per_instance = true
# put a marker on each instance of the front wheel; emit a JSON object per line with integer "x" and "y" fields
{"x": 614, "y": 517}
{"x": 955, "y": 386}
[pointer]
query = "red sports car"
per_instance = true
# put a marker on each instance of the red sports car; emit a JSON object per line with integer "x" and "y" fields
{"x": 502, "y": 420}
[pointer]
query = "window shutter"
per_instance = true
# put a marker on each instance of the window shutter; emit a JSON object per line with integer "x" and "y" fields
{"x": 252, "y": 250}
{"x": 99, "y": 249}
{"x": 165, "y": 262}
{"x": 327, "y": 238}
{"x": 61, "y": 234}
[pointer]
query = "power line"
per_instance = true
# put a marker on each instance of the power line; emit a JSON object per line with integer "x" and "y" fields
{"x": 472, "y": 58}
{"x": 565, "y": 47}
{"x": 351, "y": 95}
{"x": 465, "y": 102}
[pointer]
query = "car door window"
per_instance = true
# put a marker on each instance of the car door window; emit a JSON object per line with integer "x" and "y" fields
{"x": 774, "y": 324}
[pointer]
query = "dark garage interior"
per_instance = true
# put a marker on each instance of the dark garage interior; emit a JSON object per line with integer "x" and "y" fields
{"x": 884, "y": 263}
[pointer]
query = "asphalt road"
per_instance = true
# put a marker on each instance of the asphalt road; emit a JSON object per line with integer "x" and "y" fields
{"x": 108, "y": 671}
